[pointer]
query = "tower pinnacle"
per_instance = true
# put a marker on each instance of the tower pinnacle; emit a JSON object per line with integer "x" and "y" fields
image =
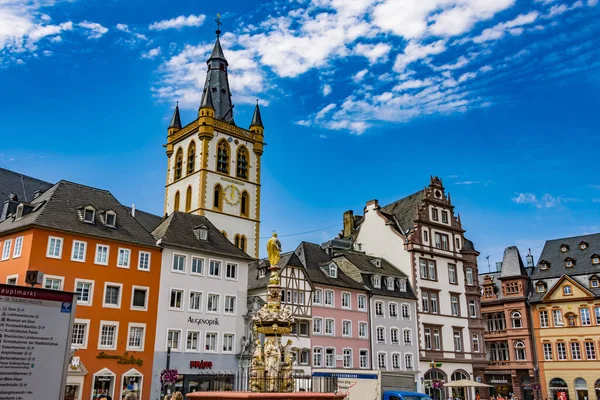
{"x": 176, "y": 119}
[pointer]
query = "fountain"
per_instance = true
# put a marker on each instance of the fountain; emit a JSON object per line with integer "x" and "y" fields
{"x": 271, "y": 369}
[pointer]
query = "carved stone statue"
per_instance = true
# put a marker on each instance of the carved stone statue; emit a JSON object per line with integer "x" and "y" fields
{"x": 287, "y": 353}
{"x": 257, "y": 357}
{"x": 272, "y": 362}
{"x": 274, "y": 249}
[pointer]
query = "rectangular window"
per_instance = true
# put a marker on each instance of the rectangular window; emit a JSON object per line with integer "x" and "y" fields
{"x": 345, "y": 300}
{"x": 543, "y": 319}
{"x": 124, "y": 258}
{"x": 393, "y": 310}
{"x": 405, "y": 311}
{"x": 584, "y": 313}
{"x": 407, "y": 337}
{"x": 329, "y": 327}
{"x": 212, "y": 306}
{"x": 469, "y": 276}
{"x": 454, "y": 305}
{"x": 144, "y": 261}
{"x": 329, "y": 298}
{"x": 434, "y": 303}
{"x": 18, "y": 247}
{"x": 346, "y": 328}
{"x": 408, "y": 362}
{"x": 396, "y": 361}
{"x": 101, "y": 254}
{"x": 445, "y": 217}
{"x": 434, "y": 214}
{"x": 84, "y": 292}
{"x": 53, "y": 283}
{"x": 380, "y": 334}
{"x": 12, "y": 280}
{"x": 317, "y": 294}
{"x": 303, "y": 329}
{"x": 178, "y": 263}
{"x": 214, "y": 268}
{"x": 112, "y": 296}
{"x": 304, "y": 356}
{"x": 197, "y": 266}
{"x": 590, "y": 351}
{"x": 557, "y": 318}
{"x": 193, "y": 341}
{"x": 561, "y": 351}
{"x": 379, "y": 308}
{"x": 173, "y": 339}
{"x": 318, "y": 326}
{"x": 78, "y": 253}
{"x": 195, "y": 303}
{"x": 230, "y": 305}
{"x": 108, "y": 335}
{"x": 79, "y": 334}
{"x": 547, "y": 351}
{"x": 136, "y": 338}
{"x": 362, "y": 329}
{"x": 575, "y": 351}
{"x": 176, "y": 300}
{"x": 423, "y": 268}
{"x": 227, "y": 343}
{"x": 362, "y": 302}
{"x": 394, "y": 335}
{"x": 475, "y": 344}
{"x": 363, "y": 358}
{"x": 452, "y": 273}
{"x": 457, "y": 341}
{"x": 597, "y": 313}
{"x": 472, "y": 309}
{"x": 54, "y": 247}
{"x": 330, "y": 358}
{"x": 382, "y": 360}
{"x": 437, "y": 340}
{"x": 431, "y": 270}
{"x": 139, "y": 298}
{"x": 425, "y": 301}
{"x": 210, "y": 342}
{"x": 427, "y": 335}
{"x": 441, "y": 241}
{"x": 231, "y": 272}
{"x": 317, "y": 357}
{"x": 347, "y": 358}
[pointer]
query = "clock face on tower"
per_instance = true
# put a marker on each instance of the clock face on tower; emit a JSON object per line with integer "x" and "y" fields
{"x": 232, "y": 195}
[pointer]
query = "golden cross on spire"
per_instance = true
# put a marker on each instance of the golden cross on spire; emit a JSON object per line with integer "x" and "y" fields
{"x": 219, "y": 23}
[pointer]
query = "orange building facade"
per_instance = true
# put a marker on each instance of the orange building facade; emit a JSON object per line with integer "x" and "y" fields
{"x": 114, "y": 268}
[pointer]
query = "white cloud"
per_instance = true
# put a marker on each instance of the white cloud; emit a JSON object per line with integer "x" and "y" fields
{"x": 546, "y": 201}
{"x": 412, "y": 84}
{"x": 123, "y": 28}
{"x": 459, "y": 63}
{"x": 360, "y": 75}
{"x": 151, "y": 53}
{"x": 498, "y": 31}
{"x": 525, "y": 198}
{"x": 326, "y": 90}
{"x": 324, "y": 111}
{"x": 95, "y": 30}
{"x": 562, "y": 8}
{"x": 178, "y": 23}
{"x": 373, "y": 52}
{"x": 415, "y": 51}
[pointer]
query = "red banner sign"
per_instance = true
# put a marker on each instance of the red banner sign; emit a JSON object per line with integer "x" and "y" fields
{"x": 201, "y": 364}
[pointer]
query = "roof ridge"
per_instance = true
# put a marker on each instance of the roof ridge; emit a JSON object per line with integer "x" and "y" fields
{"x": 86, "y": 186}
{"x": 26, "y": 176}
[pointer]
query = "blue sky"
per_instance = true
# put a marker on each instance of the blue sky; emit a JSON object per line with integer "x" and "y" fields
{"x": 361, "y": 100}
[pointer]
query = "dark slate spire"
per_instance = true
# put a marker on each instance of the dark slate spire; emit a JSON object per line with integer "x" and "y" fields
{"x": 217, "y": 82}
{"x": 207, "y": 101}
{"x": 256, "y": 118}
{"x": 176, "y": 120}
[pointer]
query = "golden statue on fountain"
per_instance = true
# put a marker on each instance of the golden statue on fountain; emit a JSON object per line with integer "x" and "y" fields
{"x": 267, "y": 372}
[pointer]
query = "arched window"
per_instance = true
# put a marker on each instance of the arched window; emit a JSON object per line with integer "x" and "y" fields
{"x": 223, "y": 156}
{"x": 191, "y": 158}
{"x": 435, "y": 375}
{"x": 520, "y": 351}
{"x": 224, "y": 234}
{"x": 218, "y": 197}
{"x": 188, "y": 199}
{"x": 236, "y": 240}
{"x": 243, "y": 242}
{"x": 245, "y": 204}
{"x": 242, "y": 163}
{"x": 176, "y": 202}
{"x": 178, "y": 163}
{"x": 517, "y": 322}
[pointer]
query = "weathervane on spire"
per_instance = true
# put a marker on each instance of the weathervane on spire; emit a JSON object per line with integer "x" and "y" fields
{"x": 219, "y": 23}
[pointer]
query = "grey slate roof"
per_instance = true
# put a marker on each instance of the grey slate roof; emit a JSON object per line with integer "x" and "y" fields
{"x": 256, "y": 118}
{"x": 21, "y": 185}
{"x": 364, "y": 263}
{"x": 149, "y": 221}
{"x": 59, "y": 207}
{"x": 313, "y": 257}
{"x": 217, "y": 51}
{"x": 582, "y": 258}
{"x": 512, "y": 264}
{"x": 177, "y": 230}
{"x": 404, "y": 210}
{"x": 254, "y": 282}
{"x": 176, "y": 119}
{"x": 217, "y": 82}
{"x": 468, "y": 245}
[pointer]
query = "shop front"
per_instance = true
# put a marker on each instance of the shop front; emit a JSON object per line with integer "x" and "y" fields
{"x": 75, "y": 379}
{"x": 558, "y": 389}
{"x": 501, "y": 385}
{"x": 103, "y": 383}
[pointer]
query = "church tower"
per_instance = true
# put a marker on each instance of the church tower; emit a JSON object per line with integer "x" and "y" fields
{"x": 213, "y": 165}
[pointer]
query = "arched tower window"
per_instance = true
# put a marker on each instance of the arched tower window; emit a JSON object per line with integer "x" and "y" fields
{"x": 242, "y": 163}
{"x": 240, "y": 241}
{"x": 178, "y": 163}
{"x": 176, "y": 202}
{"x": 188, "y": 199}
{"x": 191, "y": 158}
{"x": 236, "y": 240}
{"x": 218, "y": 197}
{"x": 243, "y": 242}
{"x": 245, "y": 204}
{"x": 223, "y": 156}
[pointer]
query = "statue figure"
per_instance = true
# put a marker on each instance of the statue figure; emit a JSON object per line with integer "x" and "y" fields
{"x": 257, "y": 357}
{"x": 272, "y": 362}
{"x": 274, "y": 250}
{"x": 287, "y": 353}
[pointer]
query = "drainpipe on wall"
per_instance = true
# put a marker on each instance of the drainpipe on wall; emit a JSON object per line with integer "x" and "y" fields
{"x": 536, "y": 368}
{"x": 369, "y": 295}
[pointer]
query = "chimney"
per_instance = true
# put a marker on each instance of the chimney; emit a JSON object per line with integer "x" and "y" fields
{"x": 348, "y": 223}
{"x": 498, "y": 266}
{"x": 9, "y": 207}
{"x": 37, "y": 193}
{"x": 133, "y": 210}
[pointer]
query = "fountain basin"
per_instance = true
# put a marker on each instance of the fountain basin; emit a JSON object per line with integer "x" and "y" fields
{"x": 268, "y": 395}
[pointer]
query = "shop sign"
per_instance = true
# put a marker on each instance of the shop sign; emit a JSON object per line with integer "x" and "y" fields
{"x": 498, "y": 380}
{"x": 202, "y": 321}
{"x": 123, "y": 359}
{"x": 558, "y": 383}
{"x": 201, "y": 364}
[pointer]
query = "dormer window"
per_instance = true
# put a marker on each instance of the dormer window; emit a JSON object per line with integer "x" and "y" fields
{"x": 376, "y": 282}
{"x": 569, "y": 262}
{"x": 111, "y": 219}
{"x": 201, "y": 232}
{"x": 564, "y": 248}
{"x": 390, "y": 284}
{"x": 540, "y": 287}
{"x": 544, "y": 265}
{"x": 402, "y": 284}
{"x": 596, "y": 259}
{"x": 89, "y": 214}
{"x": 376, "y": 262}
{"x": 19, "y": 212}
{"x": 583, "y": 245}
{"x": 333, "y": 271}
{"x": 594, "y": 283}
{"x": 262, "y": 272}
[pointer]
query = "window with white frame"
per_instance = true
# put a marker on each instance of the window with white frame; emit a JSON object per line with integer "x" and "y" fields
{"x": 394, "y": 332}
{"x": 111, "y": 219}
{"x": 472, "y": 309}
{"x": 376, "y": 281}
{"x": 330, "y": 357}
{"x": 363, "y": 359}
{"x": 402, "y": 285}
{"x": 520, "y": 354}
{"x": 230, "y": 302}
{"x": 333, "y": 271}
{"x": 544, "y": 319}
{"x": 362, "y": 329}
{"x": 108, "y": 335}
{"x": 457, "y": 340}
{"x": 176, "y": 300}
{"x": 396, "y": 361}
{"x": 362, "y": 302}
{"x": 112, "y": 295}
{"x": 346, "y": 300}
{"x": 317, "y": 326}
{"x": 197, "y": 266}
{"x": 454, "y": 305}
{"x": 437, "y": 339}
{"x": 452, "y": 273}
{"x": 584, "y": 313}
{"x": 53, "y": 283}
{"x": 18, "y": 247}
{"x": 135, "y": 339}
{"x": 174, "y": 339}
{"x": 124, "y": 258}
{"x": 80, "y": 333}
{"x": 517, "y": 322}
{"x": 78, "y": 251}
{"x": 347, "y": 358}
{"x": 54, "y": 247}
{"x": 195, "y": 303}
{"x": 84, "y": 290}
{"x": 212, "y": 305}
{"x": 231, "y": 272}
{"x": 405, "y": 311}
{"x": 329, "y": 298}
{"x": 178, "y": 263}
{"x": 12, "y": 279}
{"x": 557, "y": 318}
{"x": 547, "y": 351}
{"x": 214, "y": 269}
{"x": 393, "y": 310}
{"x": 89, "y": 214}
{"x": 380, "y": 334}
{"x": 304, "y": 356}
{"x": 228, "y": 342}
{"x": 407, "y": 333}
{"x": 139, "y": 298}
{"x": 210, "y": 341}
{"x": 329, "y": 326}
{"x": 575, "y": 351}
{"x": 379, "y": 308}
{"x": 193, "y": 341}
{"x": 382, "y": 360}
{"x": 101, "y": 254}
{"x": 408, "y": 362}
{"x": 144, "y": 261}
{"x": 590, "y": 350}
{"x": 317, "y": 357}
{"x": 561, "y": 351}
{"x": 346, "y": 328}
{"x": 6, "y": 249}
{"x": 317, "y": 296}
{"x": 469, "y": 275}
{"x": 390, "y": 283}
{"x": 475, "y": 343}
